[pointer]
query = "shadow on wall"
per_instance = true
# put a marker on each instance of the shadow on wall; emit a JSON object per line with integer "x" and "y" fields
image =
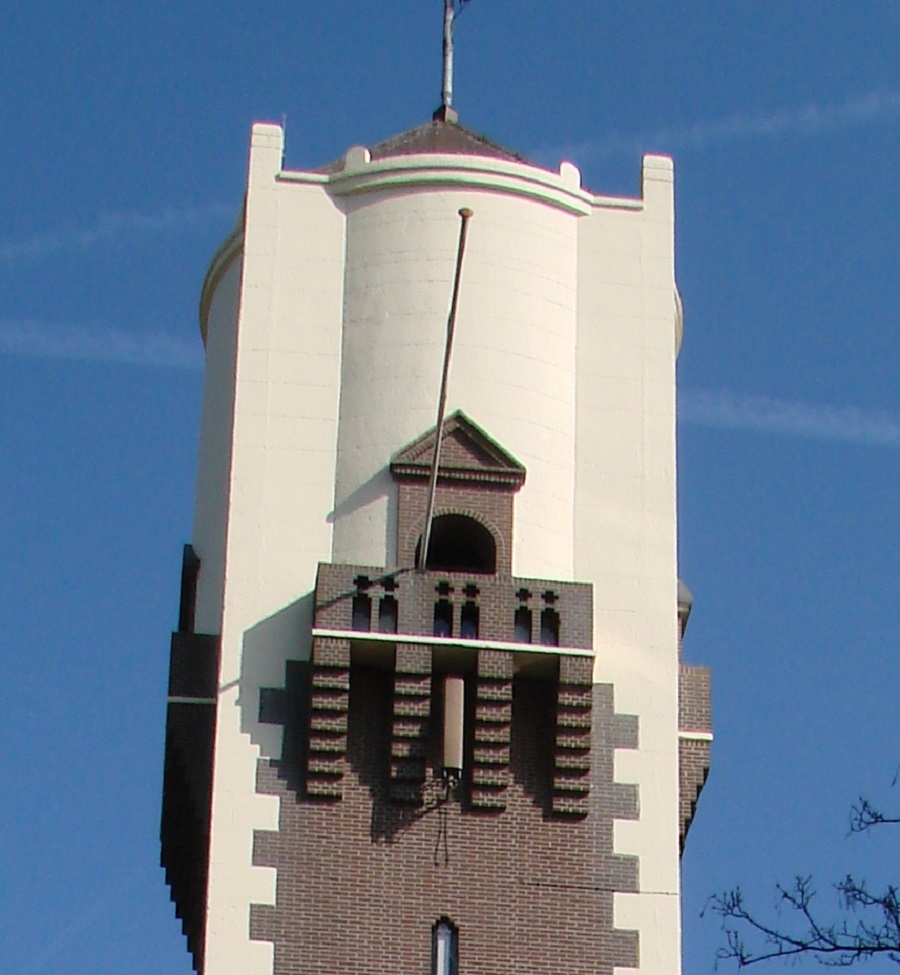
{"x": 269, "y": 646}
{"x": 369, "y": 745}
{"x": 368, "y": 750}
{"x": 380, "y": 485}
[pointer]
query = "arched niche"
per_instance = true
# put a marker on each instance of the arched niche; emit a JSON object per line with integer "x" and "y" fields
{"x": 460, "y": 544}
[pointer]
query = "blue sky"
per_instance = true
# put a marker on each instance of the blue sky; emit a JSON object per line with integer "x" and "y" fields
{"x": 123, "y": 161}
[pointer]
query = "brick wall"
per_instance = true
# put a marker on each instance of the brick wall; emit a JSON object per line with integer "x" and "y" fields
{"x": 694, "y": 715}
{"x": 492, "y": 505}
{"x": 362, "y": 880}
{"x": 187, "y": 780}
{"x": 497, "y": 596}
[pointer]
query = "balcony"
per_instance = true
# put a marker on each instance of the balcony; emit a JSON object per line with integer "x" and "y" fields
{"x": 367, "y": 603}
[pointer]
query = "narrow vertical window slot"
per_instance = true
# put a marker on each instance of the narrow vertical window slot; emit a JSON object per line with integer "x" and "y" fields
{"x": 522, "y": 625}
{"x": 444, "y": 948}
{"x": 387, "y": 615}
{"x": 550, "y": 628}
{"x": 443, "y": 618}
{"x": 468, "y": 624}
{"x": 362, "y": 612}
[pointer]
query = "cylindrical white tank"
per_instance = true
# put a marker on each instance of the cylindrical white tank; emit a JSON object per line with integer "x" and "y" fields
{"x": 513, "y": 366}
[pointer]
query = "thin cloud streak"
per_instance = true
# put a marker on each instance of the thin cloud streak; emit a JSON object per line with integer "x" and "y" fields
{"x": 101, "y": 907}
{"x": 806, "y": 120}
{"x": 111, "y": 228}
{"x": 37, "y": 340}
{"x": 843, "y": 424}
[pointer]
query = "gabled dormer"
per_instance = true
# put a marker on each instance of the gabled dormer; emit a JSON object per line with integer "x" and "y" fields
{"x": 473, "y": 523}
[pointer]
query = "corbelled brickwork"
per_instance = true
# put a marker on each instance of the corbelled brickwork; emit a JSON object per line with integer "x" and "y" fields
{"x": 572, "y": 757}
{"x": 187, "y": 779}
{"x": 329, "y": 704}
{"x": 360, "y": 882}
{"x": 693, "y": 769}
{"x": 492, "y": 729}
{"x": 694, "y": 716}
{"x": 410, "y": 722}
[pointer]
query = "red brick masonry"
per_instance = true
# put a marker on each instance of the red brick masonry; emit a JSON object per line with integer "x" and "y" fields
{"x": 362, "y": 880}
{"x": 694, "y": 715}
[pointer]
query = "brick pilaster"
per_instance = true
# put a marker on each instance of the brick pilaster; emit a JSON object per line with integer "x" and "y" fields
{"x": 493, "y": 722}
{"x": 410, "y": 722}
{"x": 329, "y": 706}
{"x": 572, "y": 754}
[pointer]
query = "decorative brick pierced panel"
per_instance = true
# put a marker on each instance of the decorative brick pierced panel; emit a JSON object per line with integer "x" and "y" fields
{"x": 493, "y": 721}
{"x": 498, "y": 597}
{"x": 410, "y": 723}
{"x": 328, "y": 707}
{"x": 572, "y": 756}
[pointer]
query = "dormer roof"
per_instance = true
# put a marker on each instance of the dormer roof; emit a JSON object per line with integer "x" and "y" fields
{"x": 467, "y": 454}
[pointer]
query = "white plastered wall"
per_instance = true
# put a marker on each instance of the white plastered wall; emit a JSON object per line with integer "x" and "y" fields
{"x": 280, "y": 490}
{"x": 625, "y": 527}
{"x": 214, "y": 461}
{"x": 513, "y": 364}
{"x": 330, "y": 334}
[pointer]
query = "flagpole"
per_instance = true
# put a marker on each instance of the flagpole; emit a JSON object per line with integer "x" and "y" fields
{"x": 465, "y": 215}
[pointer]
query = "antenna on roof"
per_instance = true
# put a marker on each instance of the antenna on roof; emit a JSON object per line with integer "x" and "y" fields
{"x": 446, "y": 113}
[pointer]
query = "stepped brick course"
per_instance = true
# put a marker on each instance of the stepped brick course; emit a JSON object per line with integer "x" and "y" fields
{"x": 530, "y": 891}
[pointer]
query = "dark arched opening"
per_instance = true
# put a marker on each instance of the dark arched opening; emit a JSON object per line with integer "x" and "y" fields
{"x": 460, "y": 544}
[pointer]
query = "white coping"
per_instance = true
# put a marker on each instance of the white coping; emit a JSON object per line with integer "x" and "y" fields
{"x": 434, "y": 170}
{"x": 695, "y": 735}
{"x": 443, "y": 641}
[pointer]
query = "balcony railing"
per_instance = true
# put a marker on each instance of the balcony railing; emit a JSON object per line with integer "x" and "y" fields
{"x": 432, "y": 606}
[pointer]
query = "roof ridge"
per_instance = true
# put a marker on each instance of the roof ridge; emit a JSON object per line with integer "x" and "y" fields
{"x": 435, "y": 137}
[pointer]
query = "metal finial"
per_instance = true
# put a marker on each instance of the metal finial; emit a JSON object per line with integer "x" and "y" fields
{"x": 447, "y": 87}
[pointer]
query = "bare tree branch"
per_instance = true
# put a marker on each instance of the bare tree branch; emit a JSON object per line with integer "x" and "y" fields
{"x": 870, "y": 926}
{"x": 864, "y": 816}
{"x": 867, "y": 926}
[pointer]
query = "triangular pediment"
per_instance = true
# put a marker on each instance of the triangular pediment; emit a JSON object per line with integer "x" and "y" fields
{"x": 467, "y": 454}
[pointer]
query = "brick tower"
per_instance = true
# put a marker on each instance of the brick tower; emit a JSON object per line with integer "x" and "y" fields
{"x": 486, "y": 765}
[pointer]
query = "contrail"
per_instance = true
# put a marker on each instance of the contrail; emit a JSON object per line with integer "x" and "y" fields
{"x": 110, "y": 228}
{"x": 37, "y": 340}
{"x": 808, "y": 119}
{"x": 99, "y": 909}
{"x": 846, "y": 424}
